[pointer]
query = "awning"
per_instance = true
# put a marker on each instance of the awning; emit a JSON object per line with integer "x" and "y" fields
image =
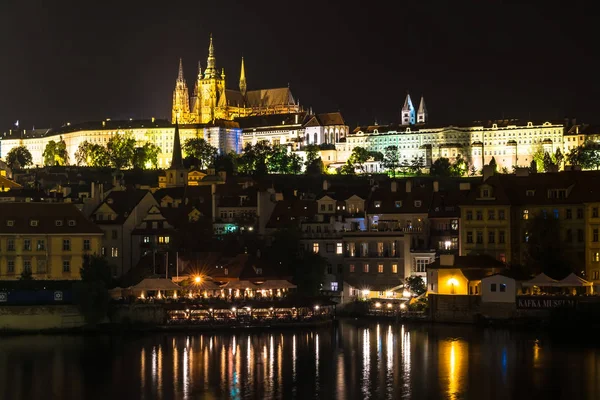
{"x": 204, "y": 284}
{"x": 156, "y": 284}
{"x": 541, "y": 280}
{"x": 241, "y": 285}
{"x": 276, "y": 284}
{"x": 573, "y": 281}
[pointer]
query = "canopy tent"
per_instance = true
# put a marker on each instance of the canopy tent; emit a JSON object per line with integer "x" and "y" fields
{"x": 276, "y": 284}
{"x": 540, "y": 281}
{"x": 573, "y": 281}
{"x": 239, "y": 285}
{"x": 204, "y": 284}
{"x": 156, "y": 284}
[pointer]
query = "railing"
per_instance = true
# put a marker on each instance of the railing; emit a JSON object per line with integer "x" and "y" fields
{"x": 371, "y": 254}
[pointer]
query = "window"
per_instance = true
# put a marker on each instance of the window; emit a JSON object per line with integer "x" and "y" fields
{"x": 418, "y": 203}
{"x": 114, "y": 234}
{"x": 329, "y": 269}
{"x": 27, "y": 244}
{"x": 398, "y": 203}
{"x": 544, "y": 214}
{"x": 595, "y": 275}
{"x": 595, "y": 235}
{"x": 469, "y": 215}
{"x": 339, "y": 248}
{"x": 525, "y": 214}
{"x": 479, "y": 237}
{"x": 421, "y": 264}
{"x": 351, "y": 268}
{"x": 10, "y": 244}
{"x": 595, "y": 212}
{"x": 530, "y": 193}
{"x": 377, "y": 204}
{"x": 491, "y": 237}
{"x": 322, "y": 207}
{"x": 492, "y": 287}
{"x": 469, "y": 237}
{"x": 329, "y": 247}
{"x": 503, "y": 287}
{"x": 86, "y": 245}
{"x": 259, "y": 271}
{"x": 501, "y": 237}
{"x": 394, "y": 268}
{"x": 579, "y": 213}
{"x": 26, "y": 266}
{"x": 66, "y": 266}
{"x": 41, "y": 245}
{"x": 485, "y": 193}
{"x": 501, "y": 215}
{"x": 10, "y": 222}
{"x": 491, "y": 215}
{"x": 569, "y": 236}
{"x": 11, "y": 267}
{"x": 596, "y": 257}
{"x": 334, "y": 286}
{"x": 330, "y": 207}
{"x": 580, "y": 235}
{"x": 72, "y": 222}
{"x": 41, "y": 266}
{"x": 380, "y": 268}
{"x": 226, "y": 271}
{"x": 58, "y": 222}
{"x": 66, "y": 244}
{"x": 315, "y": 247}
{"x": 569, "y": 214}
{"x": 146, "y": 239}
{"x": 33, "y": 222}
{"x": 366, "y": 268}
{"x": 479, "y": 215}
{"x": 555, "y": 213}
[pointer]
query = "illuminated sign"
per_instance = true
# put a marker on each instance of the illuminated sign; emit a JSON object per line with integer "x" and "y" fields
{"x": 544, "y": 303}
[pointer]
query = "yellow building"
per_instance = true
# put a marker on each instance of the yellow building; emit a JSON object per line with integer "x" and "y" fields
{"x": 47, "y": 239}
{"x": 211, "y": 99}
{"x": 460, "y": 274}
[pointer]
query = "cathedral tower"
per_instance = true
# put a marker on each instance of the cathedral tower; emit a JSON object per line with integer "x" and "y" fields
{"x": 408, "y": 111}
{"x": 210, "y": 89}
{"x": 181, "y": 99}
{"x": 422, "y": 112}
{"x": 243, "y": 86}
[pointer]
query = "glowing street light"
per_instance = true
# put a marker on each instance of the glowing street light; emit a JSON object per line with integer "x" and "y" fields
{"x": 197, "y": 279}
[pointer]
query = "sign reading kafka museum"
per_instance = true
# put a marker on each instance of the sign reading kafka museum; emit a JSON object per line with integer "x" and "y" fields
{"x": 544, "y": 303}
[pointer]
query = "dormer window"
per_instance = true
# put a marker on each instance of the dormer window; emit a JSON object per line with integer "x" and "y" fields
{"x": 418, "y": 203}
{"x": 377, "y": 204}
{"x": 71, "y": 222}
{"x": 58, "y": 222}
{"x": 33, "y": 222}
{"x": 258, "y": 271}
{"x": 485, "y": 193}
{"x": 398, "y": 203}
{"x": 530, "y": 193}
{"x": 10, "y": 222}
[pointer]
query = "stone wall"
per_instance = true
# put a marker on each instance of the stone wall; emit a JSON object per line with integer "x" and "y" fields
{"x": 150, "y": 314}
{"x": 40, "y": 318}
{"x": 453, "y": 307}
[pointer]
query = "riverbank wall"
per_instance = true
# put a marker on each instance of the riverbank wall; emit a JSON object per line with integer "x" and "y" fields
{"x": 40, "y": 318}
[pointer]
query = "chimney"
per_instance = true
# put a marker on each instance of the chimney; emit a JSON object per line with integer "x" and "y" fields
{"x": 436, "y": 186}
{"x": 326, "y": 184}
{"x": 93, "y": 190}
{"x": 574, "y": 121}
{"x": 408, "y": 186}
{"x": 488, "y": 171}
{"x": 394, "y": 186}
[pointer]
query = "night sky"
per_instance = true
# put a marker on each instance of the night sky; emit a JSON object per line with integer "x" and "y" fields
{"x": 69, "y": 61}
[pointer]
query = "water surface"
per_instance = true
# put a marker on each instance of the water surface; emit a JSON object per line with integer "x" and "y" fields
{"x": 352, "y": 361}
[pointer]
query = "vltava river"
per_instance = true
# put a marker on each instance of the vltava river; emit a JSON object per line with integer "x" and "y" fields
{"x": 364, "y": 361}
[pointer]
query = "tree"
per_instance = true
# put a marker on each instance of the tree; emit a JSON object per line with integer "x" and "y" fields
{"x": 226, "y": 162}
{"x": 547, "y": 162}
{"x": 493, "y": 164}
{"x": 544, "y": 249}
{"x": 473, "y": 171}
{"x": 146, "y": 156}
{"x": 314, "y": 164}
{"x": 538, "y": 156}
{"x": 441, "y": 167}
{"x": 294, "y": 164}
{"x": 347, "y": 169}
{"x": 460, "y": 166}
{"x": 19, "y": 157}
{"x": 559, "y": 158}
{"x": 416, "y": 164}
{"x": 121, "y": 148}
{"x": 26, "y": 275}
{"x": 415, "y": 284}
{"x": 48, "y": 154}
{"x": 254, "y": 159}
{"x": 586, "y": 156}
{"x": 92, "y": 155}
{"x": 91, "y": 293}
{"x": 201, "y": 150}
{"x": 359, "y": 157}
{"x": 55, "y": 153}
{"x": 376, "y": 155}
{"x": 391, "y": 159}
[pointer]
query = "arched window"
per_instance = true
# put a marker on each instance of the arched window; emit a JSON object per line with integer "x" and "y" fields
{"x": 315, "y": 142}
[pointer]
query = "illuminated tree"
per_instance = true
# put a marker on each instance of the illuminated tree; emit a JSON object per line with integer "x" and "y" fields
{"x": 55, "y": 153}
{"x": 199, "y": 149}
{"x": 460, "y": 166}
{"x": 146, "y": 156}
{"x": 19, "y": 157}
{"x": 441, "y": 167}
{"x": 359, "y": 157}
{"x": 391, "y": 159}
{"x": 121, "y": 148}
{"x": 254, "y": 159}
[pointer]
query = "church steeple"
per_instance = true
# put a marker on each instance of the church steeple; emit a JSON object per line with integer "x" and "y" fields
{"x": 422, "y": 112}
{"x": 210, "y": 70}
{"x": 199, "y": 70}
{"x": 180, "y": 74}
{"x": 243, "y": 79}
{"x": 177, "y": 160}
{"x": 181, "y": 100}
{"x": 408, "y": 111}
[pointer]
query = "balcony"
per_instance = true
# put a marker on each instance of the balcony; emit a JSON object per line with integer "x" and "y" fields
{"x": 372, "y": 254}
{"x": 321, "y": 235}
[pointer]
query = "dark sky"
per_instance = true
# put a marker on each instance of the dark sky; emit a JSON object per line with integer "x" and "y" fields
{"x": 81, "y": 60}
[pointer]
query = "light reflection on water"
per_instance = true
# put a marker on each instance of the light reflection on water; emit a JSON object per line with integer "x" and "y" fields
{"x": 372, "y": 361}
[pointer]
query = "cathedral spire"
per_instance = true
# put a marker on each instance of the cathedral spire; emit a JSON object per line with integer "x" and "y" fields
{"x": 210, "y": 62}
{"x": 180, "y": 75}
{"x": 199, "y": 70}
{"x": 408, "y": 111}
{"x": 243, "y": 79}
{"x": 177, "y": 160}
{"x": 422, "y": 112}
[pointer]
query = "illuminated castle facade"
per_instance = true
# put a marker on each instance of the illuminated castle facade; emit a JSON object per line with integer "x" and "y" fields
{"x": 211, "y": 100}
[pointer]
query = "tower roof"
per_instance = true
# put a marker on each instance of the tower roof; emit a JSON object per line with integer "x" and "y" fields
{"x": 422, "y": 108}
{"x": 210, "y": 62}
{"x": 177, "y": 160}
{"x": 180, "y": 75}
{"x": 243, "y": 79}
{"x": 408, "y": 105}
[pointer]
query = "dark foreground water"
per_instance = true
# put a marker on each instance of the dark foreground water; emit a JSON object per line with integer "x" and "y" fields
{"x": 373, "y": 361}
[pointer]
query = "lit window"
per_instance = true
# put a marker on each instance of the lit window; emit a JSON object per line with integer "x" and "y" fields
{"x": 421, "y": 264}
{"x": 226, "y": 271}
{"x": 377, "y": 204}
{"x": 33, "y": 222}
{"x": 380, "y": 268}
{"x": 366, "y": 268}
{"x": 339, "y": 248}
{"x": 146, "y": 239}
{"x": 315, "y": 247}
{"x": 525, "y": 214}
{"x": 398, "y": 203}
{"x": 10, "y": 222}
{"x": 114, "y": 251}
{"x": 418, "y": 203}
{"x": 351, "y": 268}
{"x": 334, "y": 286}
{"x": 597, "y": 257}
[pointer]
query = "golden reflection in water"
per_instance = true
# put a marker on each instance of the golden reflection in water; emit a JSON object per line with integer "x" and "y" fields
{"x": 453, "y": 356}
{"x": 175, "y": 365}
{"x": 223, "y": 363}
{"x": 280, "y": 363}
{"x": 341, "y": 373}
{"x": 143, "y": 368}
{"x": 317, "y": 360}
{"x": 294, "y": 358}
{"x": 390, "y": 351}
{"x": 186, "y": 377}
{"x": 249, "y": 360}
{"x": 233, "y": 346}
{"x": 406, "y": 364}
{"x": 205, "y": 355}
{"x": 536, "y": 352}
{"x": 366, "y": 361}
{"x": 378, "y": 333}
{"x": 153, "y": 366}
{"x": 159, "y": 370}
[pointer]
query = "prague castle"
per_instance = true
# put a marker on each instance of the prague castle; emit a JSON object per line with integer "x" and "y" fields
{"x": 211, "y": 100}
